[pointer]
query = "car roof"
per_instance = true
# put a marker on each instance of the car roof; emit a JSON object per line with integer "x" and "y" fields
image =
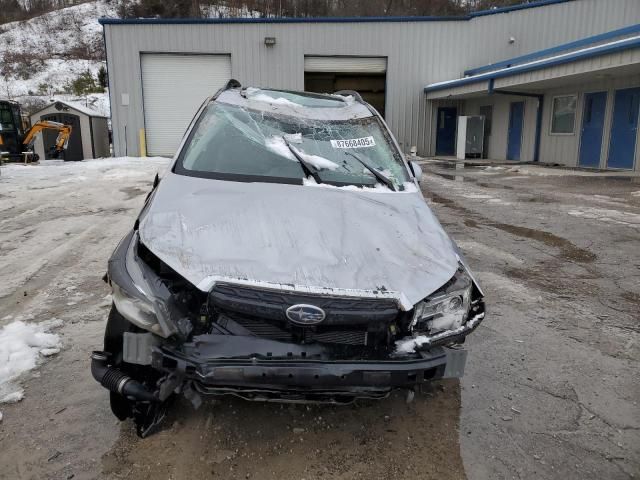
{"x": 298, "y": 104}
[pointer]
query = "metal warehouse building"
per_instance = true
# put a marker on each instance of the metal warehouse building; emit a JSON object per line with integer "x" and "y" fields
{"x": 557, "y": 81}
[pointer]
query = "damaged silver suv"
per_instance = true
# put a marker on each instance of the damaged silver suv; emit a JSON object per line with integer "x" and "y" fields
{"x": 287, "y": 255}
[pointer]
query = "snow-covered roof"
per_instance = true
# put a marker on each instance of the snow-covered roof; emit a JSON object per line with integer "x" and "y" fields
{"x": 297, "y": 104}
{"x": 75, "y": 106}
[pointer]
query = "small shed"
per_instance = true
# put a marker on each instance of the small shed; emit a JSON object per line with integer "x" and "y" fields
{"x": 89, "y": 134}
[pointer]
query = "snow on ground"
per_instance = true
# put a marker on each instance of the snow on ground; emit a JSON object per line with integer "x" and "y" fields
{"x": 22, "y": 347}
{"x": 56, "y": 73}
{"x": 606, "y": 215}
{"x": 64, "y": 185}
{"x": 224, "y": 11}
{"x": 477, "y": 248}
{"x": 53, "y": 172}
{"x": 551, "y": 171}
{"x": 57, "y": 39}
{"x": 89, "y": 188}
{"x": 469, "y": 190}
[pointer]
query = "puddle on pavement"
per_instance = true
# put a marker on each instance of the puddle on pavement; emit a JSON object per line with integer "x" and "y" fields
{"x": 462, "y": 178}
{"x": 468, "y": 222}
{"x": 571, "y": 176}
{"x": 456, "y": 165}
{"x": 133, "y": 192}
{"x": 623, "y": 179}
{"x": 567, "y": 249}
{"x": 447, "y": 203}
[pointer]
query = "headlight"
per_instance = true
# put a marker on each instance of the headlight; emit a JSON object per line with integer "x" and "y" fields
{"x": 447, "y": 308}
{"x": 133, "y": 296}
{"x": 136, "y": 310}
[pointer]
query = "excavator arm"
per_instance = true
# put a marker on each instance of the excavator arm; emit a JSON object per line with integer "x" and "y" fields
{"x": 64, "y": 132}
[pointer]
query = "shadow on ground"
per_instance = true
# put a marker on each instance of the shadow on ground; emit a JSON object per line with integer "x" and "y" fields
{"x": 232, "y": 438}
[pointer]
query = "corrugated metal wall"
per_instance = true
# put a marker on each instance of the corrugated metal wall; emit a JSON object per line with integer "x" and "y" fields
{"x": 418, "y": 53}
{"x": 497, "y": 148}
{"x": 564, "y": 149}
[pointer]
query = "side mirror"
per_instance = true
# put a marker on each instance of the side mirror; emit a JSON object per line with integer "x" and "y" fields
{"x": 417, "y": 170}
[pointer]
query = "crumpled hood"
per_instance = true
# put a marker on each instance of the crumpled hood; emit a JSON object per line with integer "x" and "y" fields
{"x": 309, "y": 238}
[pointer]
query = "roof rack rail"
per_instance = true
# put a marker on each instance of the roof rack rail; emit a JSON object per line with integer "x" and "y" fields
{"x": 233, "y": 83}
{"x": 353, "y": 93}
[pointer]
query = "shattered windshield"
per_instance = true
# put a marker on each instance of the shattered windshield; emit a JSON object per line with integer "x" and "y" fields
{"x": 232, "y": 142}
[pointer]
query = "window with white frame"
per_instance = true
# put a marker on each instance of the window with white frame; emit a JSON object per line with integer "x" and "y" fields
{"x": 563, "y": 115}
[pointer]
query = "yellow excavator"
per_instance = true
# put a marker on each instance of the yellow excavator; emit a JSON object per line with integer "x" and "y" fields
{"x": 17, "y": 135}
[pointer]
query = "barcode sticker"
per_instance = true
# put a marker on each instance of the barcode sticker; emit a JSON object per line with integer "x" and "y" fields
{"x": 363, "y": 142}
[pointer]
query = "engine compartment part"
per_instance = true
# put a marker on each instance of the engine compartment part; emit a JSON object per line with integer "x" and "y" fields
{"x": 118, "y": 382}
{"x": 219, "y": 363}
{"x": 136, "y": 347}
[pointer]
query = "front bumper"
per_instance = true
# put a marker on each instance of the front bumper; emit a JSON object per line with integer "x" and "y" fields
{"x": 223, "y": 364}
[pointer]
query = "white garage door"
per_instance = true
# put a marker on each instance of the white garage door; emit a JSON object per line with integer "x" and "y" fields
{"x": 345, "y": 64}
{"x": 174, "y": 86}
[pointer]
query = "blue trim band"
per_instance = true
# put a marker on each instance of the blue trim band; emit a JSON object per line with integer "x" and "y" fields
{"x": 191, "y": 21}
{"x": 557, "y": 49}
{"x": 595, "y": 52}
{"x": 198, "y": 21}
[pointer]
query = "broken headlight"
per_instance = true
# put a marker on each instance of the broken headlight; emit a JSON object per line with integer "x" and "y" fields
{"x": 136, "y": 310}
{"x": 134, "y": 296}
{"x": 447, "y": 308}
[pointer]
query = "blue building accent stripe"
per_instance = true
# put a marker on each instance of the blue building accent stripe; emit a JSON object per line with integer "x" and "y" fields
{"x": 553, "y": 50}
{"x": 507, "y": 72}
{"x": 190, "y": 21}
{"x": 198, "y": 21}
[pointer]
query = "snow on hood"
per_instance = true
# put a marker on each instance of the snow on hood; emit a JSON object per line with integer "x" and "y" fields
{"x": 298, "y": 237}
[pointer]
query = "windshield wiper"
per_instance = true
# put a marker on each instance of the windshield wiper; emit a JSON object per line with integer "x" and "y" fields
{"x": 309, "y": 170}
{"x": 382, "y": 178}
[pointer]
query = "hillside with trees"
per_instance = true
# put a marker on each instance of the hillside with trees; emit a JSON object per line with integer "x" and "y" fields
{"x": 17, "y": 10}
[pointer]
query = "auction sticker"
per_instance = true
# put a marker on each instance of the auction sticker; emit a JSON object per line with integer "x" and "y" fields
{"x": 363, "y": 142}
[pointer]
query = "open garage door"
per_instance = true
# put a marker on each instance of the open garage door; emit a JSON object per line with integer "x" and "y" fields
{"x": 174, "y": 86}
{"x": 365, "y": 75}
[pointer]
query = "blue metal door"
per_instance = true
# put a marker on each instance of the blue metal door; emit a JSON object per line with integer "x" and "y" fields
{"x": 592, "y": 126}
{"x": 514, "y": 139}
{"x": 446, "y": 135}
{"x": 624, "y": 130}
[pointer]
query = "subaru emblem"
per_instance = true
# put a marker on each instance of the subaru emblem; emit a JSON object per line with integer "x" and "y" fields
{"x": 305, "y": 314}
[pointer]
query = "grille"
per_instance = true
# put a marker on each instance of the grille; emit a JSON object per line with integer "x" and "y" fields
{"x": 272, "y": 305}
{"x": 344, "y": 337}
{"x": 265, "y": 329}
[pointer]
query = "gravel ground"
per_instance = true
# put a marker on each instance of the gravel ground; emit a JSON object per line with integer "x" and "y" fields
{"x": 552, "y": 384}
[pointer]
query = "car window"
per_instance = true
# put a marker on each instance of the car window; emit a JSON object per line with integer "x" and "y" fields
{"x": 231, "y": 140}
